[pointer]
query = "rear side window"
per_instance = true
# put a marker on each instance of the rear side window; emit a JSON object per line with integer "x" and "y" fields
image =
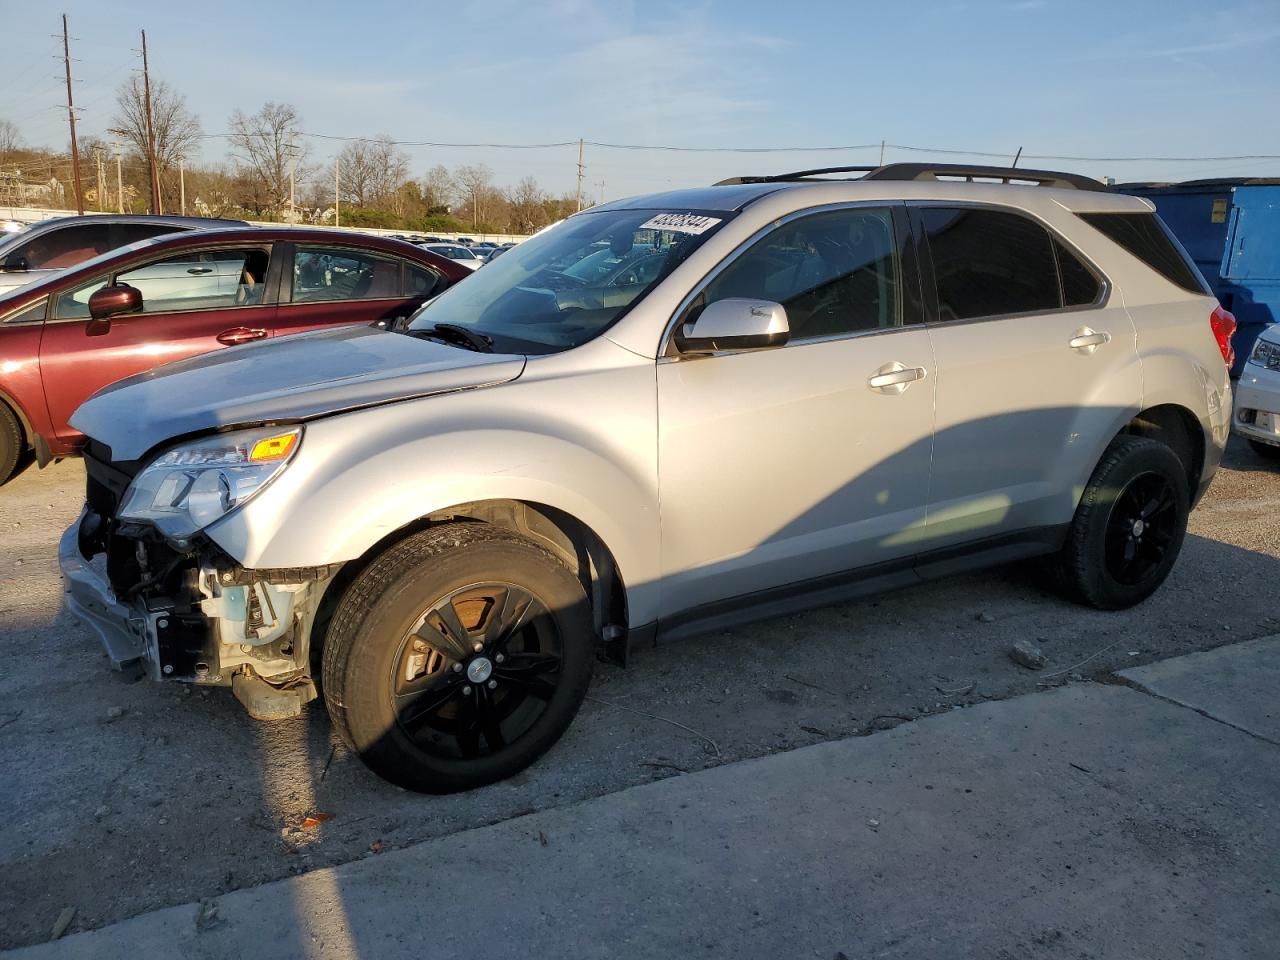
{"x": 1143, "y": 235}
{"x": 66, "y": 247}
{"x": 1079, "y": 285}
{"x": 988, "y": 263}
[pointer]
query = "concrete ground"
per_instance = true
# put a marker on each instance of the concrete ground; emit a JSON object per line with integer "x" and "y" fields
{"x": 117, "y": 800}
{"x": 1093, "y": 821}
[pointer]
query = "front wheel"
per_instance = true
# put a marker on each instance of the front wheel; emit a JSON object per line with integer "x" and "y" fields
{"x": 1128, "y": 527}
{"x": 458, "y": 657}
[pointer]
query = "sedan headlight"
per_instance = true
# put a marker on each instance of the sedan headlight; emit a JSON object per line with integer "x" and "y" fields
{"x": 189, "y": 487}
{"x": 1266, "y": 354}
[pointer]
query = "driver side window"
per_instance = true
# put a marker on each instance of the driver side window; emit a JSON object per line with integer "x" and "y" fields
{"x": 834, "y": 272}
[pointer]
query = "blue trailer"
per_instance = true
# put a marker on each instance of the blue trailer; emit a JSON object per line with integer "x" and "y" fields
{"x": 1231, "y": 228}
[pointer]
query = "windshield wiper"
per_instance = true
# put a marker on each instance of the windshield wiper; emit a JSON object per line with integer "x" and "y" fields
{"x": 461, "y": 336}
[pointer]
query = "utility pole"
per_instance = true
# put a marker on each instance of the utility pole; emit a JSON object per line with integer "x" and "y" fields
{"x": 119, "y": 181}
{"x": 154, "y": 174}
{"x": 182, "y": 186}
{"x": 97, "y": 156}
{"x": 71, "y": 118}
{"x": 882, "y": 153}
{"x": 337, "y": 220}
{"x": 581, "y": 171}
{"x": 293, "y": 166}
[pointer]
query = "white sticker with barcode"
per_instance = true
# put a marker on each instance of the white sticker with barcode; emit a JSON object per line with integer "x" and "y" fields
{"x": 680, "y": 223}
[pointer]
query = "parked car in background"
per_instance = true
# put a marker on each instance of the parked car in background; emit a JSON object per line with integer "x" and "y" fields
{"x": 174, "y": 296}
{"x": 825, "y": 388}
{"x": 455, "y": 252}
{"x": 1257, "y": 395}
{"x": 52, "y": 245}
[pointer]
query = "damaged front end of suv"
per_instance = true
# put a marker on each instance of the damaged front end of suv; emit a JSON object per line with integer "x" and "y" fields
{"x": 165, "y": 599}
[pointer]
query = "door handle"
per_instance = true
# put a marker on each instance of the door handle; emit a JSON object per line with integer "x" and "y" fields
{"x": 1088, "y": 339}
{"x": 200, "y": 270}
{"x": 240, "y": 335}
{"x": 895, "y": 377}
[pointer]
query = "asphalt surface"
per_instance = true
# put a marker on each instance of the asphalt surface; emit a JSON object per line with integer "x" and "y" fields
{"x": 119, "y": 799}
{"x": 1094, "y": 821}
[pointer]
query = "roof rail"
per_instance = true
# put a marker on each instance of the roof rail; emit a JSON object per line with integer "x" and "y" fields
{"x": 933, "y": 171}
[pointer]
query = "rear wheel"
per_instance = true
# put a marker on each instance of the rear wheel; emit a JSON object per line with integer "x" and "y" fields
{"x": 1128, "y": 527}
{"x": 1267, "y": 451}
{"x": 12, "y": 444}
{"x": 458, "y": 657}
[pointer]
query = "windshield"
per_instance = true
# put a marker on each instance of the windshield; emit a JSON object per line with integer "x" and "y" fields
{"x": 569, "y": 284}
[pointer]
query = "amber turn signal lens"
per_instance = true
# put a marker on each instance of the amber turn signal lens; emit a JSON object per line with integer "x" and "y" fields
{"x": 273, "y": 448}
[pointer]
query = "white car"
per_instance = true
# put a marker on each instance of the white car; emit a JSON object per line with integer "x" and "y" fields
{"x": 1257, "y": 417}
{"x": 455, "y": 251}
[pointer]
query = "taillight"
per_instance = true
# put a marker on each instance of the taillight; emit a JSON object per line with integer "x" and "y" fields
{"x": 1223, "y": 325}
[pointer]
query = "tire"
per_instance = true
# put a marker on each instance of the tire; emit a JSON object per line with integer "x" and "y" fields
{"x": 1103, "y": 563}
{"x": 12, "y": 444}
{"x": 1265, "y": 450}
{"x": 419, "y": 708}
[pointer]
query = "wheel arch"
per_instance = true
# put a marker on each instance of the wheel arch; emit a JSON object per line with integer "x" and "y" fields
{"x": 573, "y": 541}
{"x": 1180, "y": 430}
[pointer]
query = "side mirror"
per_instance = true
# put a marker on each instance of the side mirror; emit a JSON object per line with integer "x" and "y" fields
{"x": 736, "y": 324}
{"x": 15, "y": 262}
{"x": 108, "y": 302}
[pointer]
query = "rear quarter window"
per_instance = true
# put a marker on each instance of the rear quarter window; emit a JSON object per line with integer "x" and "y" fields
{"x": 1146, "y": 237}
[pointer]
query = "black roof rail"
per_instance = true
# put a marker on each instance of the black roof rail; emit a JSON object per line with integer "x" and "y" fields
{"x": 934, "y": 171}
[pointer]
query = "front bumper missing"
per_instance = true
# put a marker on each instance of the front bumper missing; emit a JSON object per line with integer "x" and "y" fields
{"x": 121, "y": 629}
{"x": 226, "y": 627}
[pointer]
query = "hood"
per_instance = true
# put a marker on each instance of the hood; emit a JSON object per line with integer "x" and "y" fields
{"x": 298, "y": 377}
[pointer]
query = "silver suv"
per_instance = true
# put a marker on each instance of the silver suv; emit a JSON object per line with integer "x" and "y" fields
{"x": 665, "y": 415}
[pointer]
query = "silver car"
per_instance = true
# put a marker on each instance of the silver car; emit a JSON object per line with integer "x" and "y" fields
{"x": 665, "y": 415}
{"x": 46, "y": 247}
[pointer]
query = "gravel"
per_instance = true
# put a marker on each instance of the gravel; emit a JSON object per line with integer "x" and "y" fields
{"x": 190, "y": 798}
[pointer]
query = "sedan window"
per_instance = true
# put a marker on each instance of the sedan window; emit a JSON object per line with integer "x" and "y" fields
{"x": 322, "y": 274}
{"x": 67, "y": 247}
{"x": 207, "y": 280}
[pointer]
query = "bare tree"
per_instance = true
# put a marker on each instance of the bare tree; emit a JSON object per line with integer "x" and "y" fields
{"x": 438, "y": 189}
{"x": 10, "y": 140}
{"x": 527, "y": 202}
{"x": 475, "y": 183}
{"x": 263, "y": 145}
{"x": 371, "y": 172}
{"x": 175, "y": 128}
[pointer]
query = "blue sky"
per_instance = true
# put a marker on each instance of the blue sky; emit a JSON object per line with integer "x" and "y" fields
{"x": 1140, "y": 78}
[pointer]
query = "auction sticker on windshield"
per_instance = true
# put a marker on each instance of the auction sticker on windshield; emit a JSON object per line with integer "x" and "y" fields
{"x": 680, "y": 223}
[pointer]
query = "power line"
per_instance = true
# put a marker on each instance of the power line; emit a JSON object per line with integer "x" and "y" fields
{"x": 672, "y": 148}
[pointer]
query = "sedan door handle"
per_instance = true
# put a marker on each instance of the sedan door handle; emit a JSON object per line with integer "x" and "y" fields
{"x": 1088, "y": 339}
{"x": 895, "y": 377}
{"x": 200, "y": 270}
{"x": 240, "y": 335}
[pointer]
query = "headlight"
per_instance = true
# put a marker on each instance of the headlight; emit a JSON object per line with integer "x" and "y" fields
{"x": 1266, "y": 354}
{"x": 191, "y": 486}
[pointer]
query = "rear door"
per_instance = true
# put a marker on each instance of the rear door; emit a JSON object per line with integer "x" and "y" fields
{"x": 325, "y": 286}
{"x": 1037, "y": 360}
{"x": 188, "y": 309}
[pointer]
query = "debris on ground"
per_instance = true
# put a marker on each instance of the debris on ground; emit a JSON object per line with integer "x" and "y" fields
{"x": 115, "y": 713}
{"x": 315, "y": 819}
{"x": 1028, "y": 655}
{"x": 985, "y": 617}
{"x": 957, "y": 688}
{"x": 64, "y": 920}
{"x": 101, "y": 812}
{"x": 377, "y": 846}
{"x": 542, "y": 838}
{"x": 206, "y": 913}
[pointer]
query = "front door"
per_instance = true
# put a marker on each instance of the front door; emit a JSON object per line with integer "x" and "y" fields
{"x": 1037, "y": 361}
{"x": 797, "y": 462}
{"x": 193, "y": 302}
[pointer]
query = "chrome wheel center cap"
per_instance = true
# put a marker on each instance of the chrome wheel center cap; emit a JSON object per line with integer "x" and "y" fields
{"x": 478, "y": 670}
{"x": 1138, "y": 527}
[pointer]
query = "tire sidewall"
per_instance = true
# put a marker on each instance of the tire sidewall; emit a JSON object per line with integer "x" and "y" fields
{"x": 369, "y": 717}
{"x": 1103, "y": 493}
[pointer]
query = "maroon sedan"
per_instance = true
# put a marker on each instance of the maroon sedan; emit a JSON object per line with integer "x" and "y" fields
{"x": 66, "y": 337}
